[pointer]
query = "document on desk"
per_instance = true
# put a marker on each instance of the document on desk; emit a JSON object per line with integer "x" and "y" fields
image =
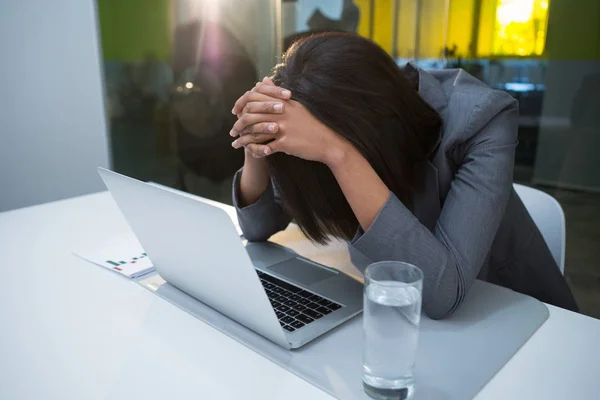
{"x": 122, "y": 254}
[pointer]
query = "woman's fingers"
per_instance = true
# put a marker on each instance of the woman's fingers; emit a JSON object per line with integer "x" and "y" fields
{"x": 249, "y": 96}
{"x": 263, "y": 107}
{"x": 258, "y": 94}
{"x": 257, "y": 138}
{"x": 258, "y": 133}
{"x": 252, "y": 109}
{"x": 247, "y": 120}
{"x": 257, "y": 150}
{"x": 276, "y": 146}
{"x": 271, "y": 90}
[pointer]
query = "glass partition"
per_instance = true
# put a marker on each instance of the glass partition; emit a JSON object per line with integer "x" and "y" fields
{"x": 173, "y": 69}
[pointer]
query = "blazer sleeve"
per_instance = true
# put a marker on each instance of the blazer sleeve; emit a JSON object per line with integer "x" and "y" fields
{"x": 452, "y": 254}
{"x": 262, "y": 219}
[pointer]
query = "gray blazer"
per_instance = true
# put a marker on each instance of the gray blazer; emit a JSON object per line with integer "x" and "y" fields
{"x": 467, "y": 222}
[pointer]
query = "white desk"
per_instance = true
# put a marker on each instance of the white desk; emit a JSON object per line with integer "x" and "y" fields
{"x": 72, "y": 330}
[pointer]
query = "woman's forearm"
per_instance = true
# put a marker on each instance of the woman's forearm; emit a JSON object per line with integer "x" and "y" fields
{"x": 364, "y": 190}
{"x": 254, "y": 181}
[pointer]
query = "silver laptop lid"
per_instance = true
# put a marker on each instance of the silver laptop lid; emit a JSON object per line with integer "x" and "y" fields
{"x": 195, "y": 247}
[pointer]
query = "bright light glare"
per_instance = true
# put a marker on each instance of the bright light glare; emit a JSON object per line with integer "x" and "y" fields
{"x": 212, "y": 10}
{"x": 189, "y": 85}
{"x": 519, "y": 11}
{"x": 520, "y": 27}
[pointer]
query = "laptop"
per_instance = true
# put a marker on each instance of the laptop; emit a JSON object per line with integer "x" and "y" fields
{"x": 268, "y": 288}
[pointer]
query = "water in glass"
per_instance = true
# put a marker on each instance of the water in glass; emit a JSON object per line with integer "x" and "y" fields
{"x": 392, "y": 311}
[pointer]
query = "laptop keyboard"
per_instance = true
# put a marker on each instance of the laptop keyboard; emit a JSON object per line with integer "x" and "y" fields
{"x": 295, "y": 307}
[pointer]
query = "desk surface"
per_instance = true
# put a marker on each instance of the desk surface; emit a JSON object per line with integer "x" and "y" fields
{"x": 71, "y": 330}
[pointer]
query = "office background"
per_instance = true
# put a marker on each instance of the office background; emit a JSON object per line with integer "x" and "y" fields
{"x": 145, "y": 86}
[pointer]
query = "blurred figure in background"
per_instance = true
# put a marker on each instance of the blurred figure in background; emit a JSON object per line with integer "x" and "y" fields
{"x": 212, "y": 70}
{"x": 156, "y": 80}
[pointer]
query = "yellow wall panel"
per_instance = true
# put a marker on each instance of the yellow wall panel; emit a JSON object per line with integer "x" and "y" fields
{"x": 383, "y": 29}
{"x": 365, "y": 17}
{"x": 431, "y": 38}
{"x": 405, "y": 43}
{"x": 460, "y": 24}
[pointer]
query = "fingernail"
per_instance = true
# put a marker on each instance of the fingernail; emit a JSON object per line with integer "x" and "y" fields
{"x": 265, "y": 78}
{"x": 286, "y": 93}
{"x": 271, "y": 127}
{"x": 232, "y": 111}
{"x": 267, "y": 151}
{"x": 278, "y": 107}
{"x": 234, "y": 144}
{"x": 232, "y": 133}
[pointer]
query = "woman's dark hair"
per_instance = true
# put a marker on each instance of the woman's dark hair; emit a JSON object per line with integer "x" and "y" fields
{"x": 354, "y": 87}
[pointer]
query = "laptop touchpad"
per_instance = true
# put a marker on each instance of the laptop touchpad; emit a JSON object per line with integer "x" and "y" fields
{"x": 301, "y": 271}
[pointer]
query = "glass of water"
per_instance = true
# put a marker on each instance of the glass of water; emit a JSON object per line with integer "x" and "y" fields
{"x": 391, "y": 316}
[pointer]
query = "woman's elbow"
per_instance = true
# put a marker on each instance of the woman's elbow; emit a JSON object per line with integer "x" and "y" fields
{"x": 445, "y": 299}
{"x": 437, "y": 311}
{"x": 255, "y": 236}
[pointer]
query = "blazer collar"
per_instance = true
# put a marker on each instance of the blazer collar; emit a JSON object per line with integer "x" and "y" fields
{"x": 430, "y": 89}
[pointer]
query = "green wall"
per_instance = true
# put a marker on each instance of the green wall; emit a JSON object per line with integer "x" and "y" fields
{"x": 132, "y": 29}
{"x": 573, "y": 30}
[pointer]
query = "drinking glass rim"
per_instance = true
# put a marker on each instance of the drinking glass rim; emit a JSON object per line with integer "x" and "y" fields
{"x": 394, "y": 283}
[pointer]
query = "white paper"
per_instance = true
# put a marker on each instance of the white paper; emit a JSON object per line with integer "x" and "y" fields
{"x": 122, "y": 254}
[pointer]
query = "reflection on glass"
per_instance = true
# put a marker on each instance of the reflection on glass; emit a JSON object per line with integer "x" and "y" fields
{"x": 173, "y": 70}
{"x": 305, "y": 17}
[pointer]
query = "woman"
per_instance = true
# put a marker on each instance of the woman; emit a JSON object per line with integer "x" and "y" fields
{"x": 404, "y": 164}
